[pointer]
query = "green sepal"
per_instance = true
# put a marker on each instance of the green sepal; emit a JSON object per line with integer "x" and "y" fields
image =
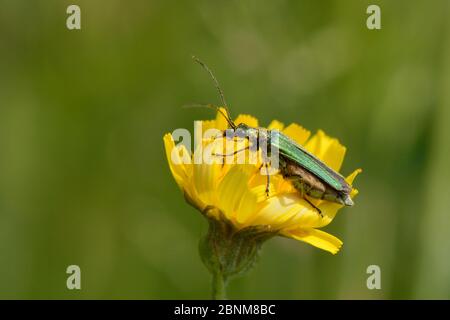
{"x": 228, "y": 251}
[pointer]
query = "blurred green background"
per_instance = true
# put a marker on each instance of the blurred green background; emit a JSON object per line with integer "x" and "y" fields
{"x": 83, "y": 174}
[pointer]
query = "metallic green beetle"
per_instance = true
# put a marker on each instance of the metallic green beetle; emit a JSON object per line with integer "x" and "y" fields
{"x": 309, "y": 175}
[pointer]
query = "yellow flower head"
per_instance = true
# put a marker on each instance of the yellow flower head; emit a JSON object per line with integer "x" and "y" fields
{"x": 238, "y": 190}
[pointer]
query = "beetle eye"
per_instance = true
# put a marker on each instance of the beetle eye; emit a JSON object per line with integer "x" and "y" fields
{"x": 229, "y": 133}
{"x": 240, "y": 133}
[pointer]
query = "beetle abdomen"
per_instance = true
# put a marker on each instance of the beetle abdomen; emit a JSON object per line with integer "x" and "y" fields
{"x": 308, "y": 184}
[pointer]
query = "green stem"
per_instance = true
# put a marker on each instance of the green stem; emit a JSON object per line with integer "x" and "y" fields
{"x": 218, "y": 287}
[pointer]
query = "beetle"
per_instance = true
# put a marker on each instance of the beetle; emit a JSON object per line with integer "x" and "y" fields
{"x": 308, "y": 174}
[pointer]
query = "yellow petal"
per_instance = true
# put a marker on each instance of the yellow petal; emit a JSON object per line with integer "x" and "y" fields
{"x": 277, "y": 211}
{"x": 334, "y": 155}
{"x": 230, "y": 191}
{"x": 329, "y": 210}
{"x": 247, "y": 119}
{"x": 318, "y": 144}
{"x": 285, "y": 186}
{"x": 350, "y": 180}
{"x": 276, "y": 125}
{"x": 221, "y": 122}
{"x": 308, "y": 216}
{"x": 208, "y": 124}
{"x": 354, "y": 193}
{"x": 317, "y": 238}
{"x": 206, "y": 175}
{"x": 173, "y": 155}
{"x": 247, "y": 207}
{"x": 297, "y": 133}
{"x": 258, "y": 183}
{"x": 205, "y": 179}
{"x": 352, "y": 176}
{"x": 327, "y": 149}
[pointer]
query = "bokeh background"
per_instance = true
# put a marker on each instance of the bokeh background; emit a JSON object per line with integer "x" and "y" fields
{"x": 83, "y": 174}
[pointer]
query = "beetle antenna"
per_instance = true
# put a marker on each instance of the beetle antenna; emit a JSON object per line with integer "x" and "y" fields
{"x": 219, "y": 89}
{"x": 211, "y": 106}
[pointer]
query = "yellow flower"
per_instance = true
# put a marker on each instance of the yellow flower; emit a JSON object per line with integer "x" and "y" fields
{"x": 238, "y": 191}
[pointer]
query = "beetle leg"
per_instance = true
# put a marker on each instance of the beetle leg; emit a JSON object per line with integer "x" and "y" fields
{"x": 312, "y": 205}
{"x": 230, "y": 154}
{"x": 303, "y": 192}
{"x": 268, "y": 178}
